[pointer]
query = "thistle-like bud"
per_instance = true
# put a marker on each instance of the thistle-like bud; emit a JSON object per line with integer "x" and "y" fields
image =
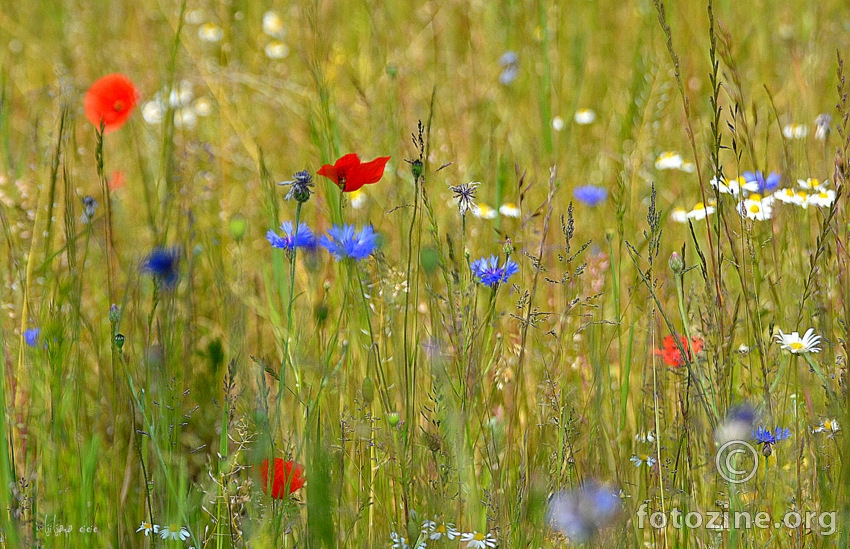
{"x": 119, "y": 342}
{"x": 114, "y": 314}
{"x": 677, "y": 265}
{"x": 300, "y": 188}
{"x": 508, "y": 248}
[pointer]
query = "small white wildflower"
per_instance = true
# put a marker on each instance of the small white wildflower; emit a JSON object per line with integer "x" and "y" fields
{"x": 276, "y": 50}
{"x": 642, "y": 459}
{"x": 509, "y": 209}
{"x": 273, "y": 24}
{"x": 669, "y": 160}
{"x": 478, "y": 540}
{"x": 796, "y": 344}
{"x": 557, "y": 123}
{"x": 583, "y": 117}
{"x": 210, "y": 32}
{"x": 795, "y": 131}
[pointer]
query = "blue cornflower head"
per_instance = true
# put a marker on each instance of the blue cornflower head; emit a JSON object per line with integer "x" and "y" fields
{"x": 31, "y": 336}
{"x": 510, "y": 68}
{"x": 290, "y": 240}
{"x": 765, "y": 436}
{"x": 489, "y": 273}
{"x": 758, "y": 179}
{"x": 344, "y": 242}
{"x": 162, "y": 264}
{"x": 582, "y": 512}
{"x": 590, "y": 194}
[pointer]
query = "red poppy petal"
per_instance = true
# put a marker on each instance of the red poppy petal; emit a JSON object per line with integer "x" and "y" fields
{"x": 110, "y": 100}
{"x": 366, "y": 174}
{"x": 330, "y": 172}
{"x": 347, "y": 161}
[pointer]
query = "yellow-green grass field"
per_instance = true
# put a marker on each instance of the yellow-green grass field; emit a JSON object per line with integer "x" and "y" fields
{"x": 661, "y": 187}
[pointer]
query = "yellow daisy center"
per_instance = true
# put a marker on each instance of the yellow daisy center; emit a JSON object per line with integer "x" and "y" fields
{"x": 796, "y": 345}
{"x": 699, "y": 206}
{"x": 756, "y": 197}
{"x": 823, "y": 195}
{"x": 479, "y": 536}
{"x": 755, "y": 208}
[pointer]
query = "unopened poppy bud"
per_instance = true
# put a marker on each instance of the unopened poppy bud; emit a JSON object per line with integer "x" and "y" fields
{"x": 237, "y": 226}
{"x": 393, "y": 418}
{"x": 119, "y": 341}
{"x": 416, "y": 166}
{"x": 368, "y": 390}
{"x": 676, "y": 263}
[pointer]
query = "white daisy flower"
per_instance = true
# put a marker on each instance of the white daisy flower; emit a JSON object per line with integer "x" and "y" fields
{"x": 509, "y": 209}
{"x": 202, "y": 106}
{"x": 181, "y": 94}
{"x": 795, "y": 131}
{"x": 791, "y": 196}
{"x": 755, "y": 207}
{"x": 669, "y": 160}
{"x": 153, "y": 111}
{"x": 439, "y": 530}
{"x": 276, "y": 50}
{"x": 688, "y": 167}
{"x": 824, "y": 198}
{"x": 210, "y": 32}
{"x": 812, "y": 183}
{"x": 147, "y": 528}
{"x": 647, "y": 437}
{"x": 700, "y": 211}
{"x": 174, "y": 532}
{"x": 828, "y": 426}
{"x": 484, "y": 211}
{"x": 583, "y": 117}
{"x": 794, "y": 343}
{"x": 399, "y": 542}
{"x": 732, "y": 187}
{"x": 273, "y": 24}
{"x": 643, "y": 459}
{"x": 478, "y": 540}
{"x": 679, "y": 215}
{"x": 558, "y": 123}
{"x": 185, "y": 118}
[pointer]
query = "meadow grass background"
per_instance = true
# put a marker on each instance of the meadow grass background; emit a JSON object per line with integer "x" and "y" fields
{"x": 408, "y": 391}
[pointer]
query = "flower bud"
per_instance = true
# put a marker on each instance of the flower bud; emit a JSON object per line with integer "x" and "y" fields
{"x": 237, "y": 226}
{"x": 416, "y": 167}
{"x": 114, "y": 314}
{"x": 368, "y": 390}
{"x": 393, "y": 418}
{"x": 677, "y": 265}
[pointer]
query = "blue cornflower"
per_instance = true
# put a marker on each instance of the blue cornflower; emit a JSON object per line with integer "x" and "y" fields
{"x": 31, "y": 336}
{"x": 510, "y": 68}
{"x": 590, "y": 194}
{"x": 304, "y": 238}
{"x": 163, "y": 264}
{"x": 766, "y": 437}
{"x": 489, "y": 273}
{"x": 346, "y": 242}
{"x": 758, "y": 179}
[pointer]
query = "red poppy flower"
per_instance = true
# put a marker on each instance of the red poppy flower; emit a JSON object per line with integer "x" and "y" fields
{"x": 350, "y": 174}
{"x": 110, "y": 100}
{"x": 287, "y": 475}
{"x": 673, "y": 356}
